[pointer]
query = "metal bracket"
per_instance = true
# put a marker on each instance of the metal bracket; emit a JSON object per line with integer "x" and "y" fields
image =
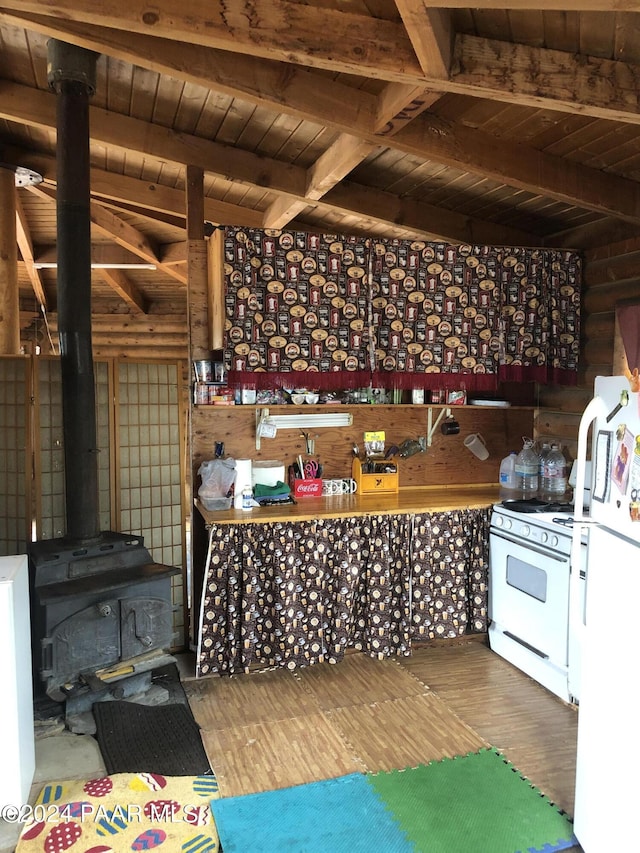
{"x": 432, "y": 427}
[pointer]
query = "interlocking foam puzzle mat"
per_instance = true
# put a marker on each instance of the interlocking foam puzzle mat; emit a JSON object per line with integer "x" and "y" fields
{"x": 477, "y": 803}
{"x": 142, "y": 811}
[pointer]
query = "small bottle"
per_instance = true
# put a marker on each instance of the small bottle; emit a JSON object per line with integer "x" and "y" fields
{"x": 247, "y": 498}
{"x": 555, "y": 473}
{"x": 527, "y": 470}
{"x": 508, "y": 476}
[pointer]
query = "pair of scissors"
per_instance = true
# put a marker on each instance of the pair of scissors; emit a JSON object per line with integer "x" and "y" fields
{"x": 310, "y": 470}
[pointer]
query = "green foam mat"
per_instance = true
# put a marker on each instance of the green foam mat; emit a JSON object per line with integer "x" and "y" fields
{"x": 478, "y": 802}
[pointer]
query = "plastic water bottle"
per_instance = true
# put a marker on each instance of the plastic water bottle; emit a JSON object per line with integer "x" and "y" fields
{"x": 544, "y": 452}
{"x": 554, "y": 478}
{"x": 508, "y": 476}
{"x": 526, "y": 468}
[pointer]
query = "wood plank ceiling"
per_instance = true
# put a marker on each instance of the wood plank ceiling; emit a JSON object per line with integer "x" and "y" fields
{"x": 513, "y": 122}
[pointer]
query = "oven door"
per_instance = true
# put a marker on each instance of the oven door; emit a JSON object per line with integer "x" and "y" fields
{"x": 529, "y": 595}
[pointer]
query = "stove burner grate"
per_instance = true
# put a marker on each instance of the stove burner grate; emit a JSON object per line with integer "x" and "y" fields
{"x": 536, "y": 505}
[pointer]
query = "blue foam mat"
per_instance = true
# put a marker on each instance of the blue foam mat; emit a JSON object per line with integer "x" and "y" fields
{"x": 340, "y": 815}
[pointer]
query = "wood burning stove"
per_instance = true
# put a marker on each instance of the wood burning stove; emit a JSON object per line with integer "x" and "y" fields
{"x": 94, "y": 606}
{"x": 97, "y": 599}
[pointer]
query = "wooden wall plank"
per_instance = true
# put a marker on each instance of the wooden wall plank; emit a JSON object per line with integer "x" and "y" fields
{"x": 444, "y": 463}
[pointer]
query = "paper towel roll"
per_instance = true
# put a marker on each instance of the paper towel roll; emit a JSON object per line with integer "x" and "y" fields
{"x": 243, "y": 481}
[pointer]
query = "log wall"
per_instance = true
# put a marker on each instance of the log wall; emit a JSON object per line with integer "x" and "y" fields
{"x": 611, "y": 274}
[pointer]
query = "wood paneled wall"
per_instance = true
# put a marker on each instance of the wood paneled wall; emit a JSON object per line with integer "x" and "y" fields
{"x": 446, "y": 462}
{"x": 611, "y": 274}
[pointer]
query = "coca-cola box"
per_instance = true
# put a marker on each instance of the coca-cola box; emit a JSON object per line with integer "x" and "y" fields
{"x": 309, "y": 488}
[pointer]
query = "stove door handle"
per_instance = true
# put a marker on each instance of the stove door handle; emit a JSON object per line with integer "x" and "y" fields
{"x": 551, "y": 555}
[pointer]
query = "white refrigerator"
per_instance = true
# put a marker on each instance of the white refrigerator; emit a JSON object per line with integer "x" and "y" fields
{"x": 606, "y": 802}
{"x": 17, "y": 743}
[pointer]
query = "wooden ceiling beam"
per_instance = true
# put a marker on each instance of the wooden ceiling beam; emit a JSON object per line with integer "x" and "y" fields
{"x": 130, "y": 238}
{"x": 471, "y": 150}
{"x": 458, "y": 234}
{"x": 146, "y": 197}
{"x": 431, "y": 35}
{"x": 23, "y": 238}
{"x": 432, "y": 222}
{"x": 274, "y": 29}
{"x": 126, "y": 290}
{"x": 398, "y": 104}
{"x": 537, "y": 77}
{"x": 479, "y": 66}
{"x": 539, "y": 5}
{"x": 294, "y": 90}
{"x": 455, "y": 145}
{"x": 103, "y": 255}
{"x": 121, "y": 232}
{"x": 328, "y": 170}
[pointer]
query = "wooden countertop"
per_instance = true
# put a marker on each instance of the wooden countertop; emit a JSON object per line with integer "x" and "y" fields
{"x": 407, "y": 500}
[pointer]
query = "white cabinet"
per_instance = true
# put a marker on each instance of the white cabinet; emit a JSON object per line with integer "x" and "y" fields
{"x": 17, "y": 763}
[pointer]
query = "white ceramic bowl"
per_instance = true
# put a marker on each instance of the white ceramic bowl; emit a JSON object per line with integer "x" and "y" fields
{"x": 311, "y": 398}
{"x": 298, "y": 399}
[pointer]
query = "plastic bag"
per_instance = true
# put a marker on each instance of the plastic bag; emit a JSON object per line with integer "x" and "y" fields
{"x": 218, "y": 477}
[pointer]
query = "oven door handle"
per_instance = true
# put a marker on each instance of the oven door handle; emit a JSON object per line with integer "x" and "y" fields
{"x": 559, "y": 558}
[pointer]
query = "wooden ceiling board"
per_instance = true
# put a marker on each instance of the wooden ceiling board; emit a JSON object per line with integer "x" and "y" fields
{"x": 498, "y": 151}
{"x": 627, "y": 37}
{"x": 597, "y": 34}
{"x": 561, "y": 30}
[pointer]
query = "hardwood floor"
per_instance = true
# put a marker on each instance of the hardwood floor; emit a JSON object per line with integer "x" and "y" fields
{"x": 277, "y": 728}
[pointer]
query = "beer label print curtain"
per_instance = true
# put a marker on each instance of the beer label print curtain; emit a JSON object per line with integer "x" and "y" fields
{"x": 334, "y": 312}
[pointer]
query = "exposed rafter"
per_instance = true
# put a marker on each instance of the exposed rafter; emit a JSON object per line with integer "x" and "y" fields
{"x": 500, "y": 123}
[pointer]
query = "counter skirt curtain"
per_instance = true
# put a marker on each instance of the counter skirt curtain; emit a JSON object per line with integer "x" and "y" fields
{"x": 301, "y": 592}
{"x": 449, "y": 554}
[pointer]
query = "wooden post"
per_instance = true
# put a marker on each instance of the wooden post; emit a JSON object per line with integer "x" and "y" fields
{"x": 198, "y": 349}
{"x": 216, "y": 289}
{"x": 199, "y": 345}
{"x": 9, "y": 294}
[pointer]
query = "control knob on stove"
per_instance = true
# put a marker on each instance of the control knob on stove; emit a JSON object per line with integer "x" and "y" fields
{"x": 525, "y": 530}
{"x": 544, "y": 537}
{"x": 554, "y": 541}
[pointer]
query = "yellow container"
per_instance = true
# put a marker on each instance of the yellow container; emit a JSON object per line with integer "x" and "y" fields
{"x": 378, "y": 482}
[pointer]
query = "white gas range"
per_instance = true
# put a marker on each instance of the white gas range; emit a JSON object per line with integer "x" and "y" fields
{"x": 532, "y": 604}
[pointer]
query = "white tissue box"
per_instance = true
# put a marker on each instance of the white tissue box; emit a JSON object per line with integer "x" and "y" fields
{"x": 267, "y": 472}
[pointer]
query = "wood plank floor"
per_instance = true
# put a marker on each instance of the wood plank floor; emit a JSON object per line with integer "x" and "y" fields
{"x": 278, "y": 728}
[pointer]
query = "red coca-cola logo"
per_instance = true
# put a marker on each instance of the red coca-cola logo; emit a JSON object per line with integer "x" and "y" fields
{"x": 310, "y": 488}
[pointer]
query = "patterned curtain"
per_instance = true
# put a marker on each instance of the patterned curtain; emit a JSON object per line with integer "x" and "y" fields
{"x": 334, "y": 312}
{"x": 297, "y": 593}
{"x": 540, "y": 334}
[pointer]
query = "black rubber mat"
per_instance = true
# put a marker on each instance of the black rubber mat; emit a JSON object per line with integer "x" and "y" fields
{"x": 162, "y": 739}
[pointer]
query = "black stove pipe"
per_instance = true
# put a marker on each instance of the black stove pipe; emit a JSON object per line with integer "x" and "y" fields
{"x": 71, "y": 75}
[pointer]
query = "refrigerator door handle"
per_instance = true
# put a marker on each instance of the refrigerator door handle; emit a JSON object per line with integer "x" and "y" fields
{"x": 596, "y": 408}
